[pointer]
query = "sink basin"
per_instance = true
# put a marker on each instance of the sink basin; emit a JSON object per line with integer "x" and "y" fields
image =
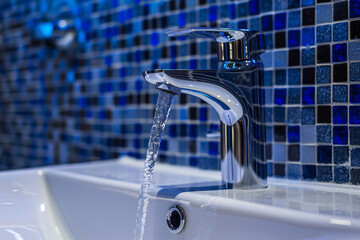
{"x": 99, "y": 200}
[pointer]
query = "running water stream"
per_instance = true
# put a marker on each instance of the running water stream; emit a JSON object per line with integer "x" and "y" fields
{"x": 163, "y": 107}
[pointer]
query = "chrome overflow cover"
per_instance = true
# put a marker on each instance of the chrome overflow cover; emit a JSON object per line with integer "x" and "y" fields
{"x": 175, "y": 219}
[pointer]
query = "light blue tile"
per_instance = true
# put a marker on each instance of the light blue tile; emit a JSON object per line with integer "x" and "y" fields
{"x": 354, "y": 51}
{"x": 307, "y": 154}
{"x": 280, "y": 59}
{"x": 279, "y": 152}
{"x": 308, "y": 134}
{"x": 323, "y": 13}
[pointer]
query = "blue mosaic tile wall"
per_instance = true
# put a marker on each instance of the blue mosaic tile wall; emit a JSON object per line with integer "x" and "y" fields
{"x": 91, "y": 103}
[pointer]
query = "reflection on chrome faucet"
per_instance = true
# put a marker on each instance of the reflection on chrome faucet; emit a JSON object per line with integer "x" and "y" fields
{"x": 234, "y": 92}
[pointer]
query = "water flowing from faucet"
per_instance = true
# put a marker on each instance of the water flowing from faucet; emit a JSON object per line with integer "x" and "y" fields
{"x": 162, "y": 111}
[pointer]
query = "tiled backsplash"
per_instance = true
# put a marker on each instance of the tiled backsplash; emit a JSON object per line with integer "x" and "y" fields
{"x": 92, "y": 103}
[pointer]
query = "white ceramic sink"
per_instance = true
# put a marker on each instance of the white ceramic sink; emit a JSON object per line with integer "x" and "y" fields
{"x": 97, "y": 201}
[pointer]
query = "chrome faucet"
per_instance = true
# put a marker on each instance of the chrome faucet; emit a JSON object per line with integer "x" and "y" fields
{"x": 234, "y": 91}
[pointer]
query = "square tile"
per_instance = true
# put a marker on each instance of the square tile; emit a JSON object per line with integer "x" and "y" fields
{"x": 293, "y": 114}
{"x": 339, "y": 52}
{"x": 340, "y": 135}
{"x": 355, "y": 157}
{"x": 309, "y": 172}
{"x": 294, "y": 57}
{"x": 355, "y": 72}
{"x": 293, "y": 134}
{"x": 354, "y": 51}
{"x": 323, "y": 134}
{"x": 308, "y": 56}
{"x": 308, "y": 16}
{"x": 323, "y": 54}
{"x": 308, "y": 95}
{"x": 323, "y": 13}
{"x": 354, "y": 135}
{"x": 294, "y": 152}
{"x": 341, "y": 155}
{"x": 340, "y": 93}
{"x": 340, "y": 31}
{"x": 323, "y": 95}
{"x": 323, "y": 114}
{"x": 340, "y": 72}
{"x": 280, "y": 21}
{"x": 308, "y": 115}
{"x": 293, "y": 76}
{"x": 293, "y": 171}
{"x": 341, "y": 174}
{"x": 355, "y": 29}
{"x": 324, "y": 154}
{"x": 354, "y": 8}
{"x": 324, "y": 174}
{"x": 354, "y": 114}
{"x": 307, "y": 154}
{"x": 340, "y": 114}
{"x": 293, "y": 38}
{"x": 294, "y": 96}
{"x": 294, "y": 19}
{"x": 323, "y": 33}
{"x": 308, "y": 36}
{"x": 340, "y": 10}
{"x": 355, "y": 93}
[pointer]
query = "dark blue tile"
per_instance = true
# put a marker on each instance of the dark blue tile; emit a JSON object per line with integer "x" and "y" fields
{"x": 203, "y": 111}
{"x": 242, "y": 24}
{"x": 294, "y": 19}
{"x": 293, "y": 115}
{"x": 323, "y": 134}
{"x": 294, "y": 96}
{"x": 308, "y": 95}
{"x": 323, "y": 74}
{"x": 339, "y": 114}
{"x": 293, "y": 171}
{"x": 266, "y": 5}
{"x": 280, "y": 77}
{"x": 280, "y": 21}
{"x": 254, "y": 7}
{"x": 294, "y": 152}
{"x": 213, "y": 148}
{"x": 341, "y": 155}
{"x": 268, "y": 78}
{"x": 355, "y": 93}
{"x": 293, "y": 76}
{"x": 340, "y": 10}
{"x": 279, "y": 114}
{"x": 307, "y": 2}
{"x": 308, "y": 115}
{"x": 324, "y": 174}
{"x": 155, "y": 38}
{"x": 308, "y": 56}
{"x": 340, "y": 31}
{"x": 280, "y": 96}
{"x": 354, "y": 135}
{"x": 339, "y": 52}
{"x": 340, "y": 135}
{"x": 182, "y": 19}
{"x": 355, "y": 72}
{"x": 341, "y": 174}
{"x": 324, "y": 154}
{"x": 293, "y": 134}
{"x": 354, "y": 114}
{"x": 308, "y": 36}
{"x": 242, "y": 9}
{"x": 267, "y": 23}
{"x": 293, "y": 3}
{"x": 355, "y": 157}
{"x": 293, "y": 38}
{"x": 355, "y": 176}
{"x": 340, "y": 93}
{"x": 213, "y": 13}
{"x": 309, "y": 172}
{"x": 323, "y": 33}
{"x": 354, "y": 8}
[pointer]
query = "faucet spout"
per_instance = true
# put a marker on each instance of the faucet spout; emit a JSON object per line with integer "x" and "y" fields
{"x": 190, "y": 82}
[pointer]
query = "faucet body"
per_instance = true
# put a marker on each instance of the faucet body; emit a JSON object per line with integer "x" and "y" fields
{"x": 235, "y": 93}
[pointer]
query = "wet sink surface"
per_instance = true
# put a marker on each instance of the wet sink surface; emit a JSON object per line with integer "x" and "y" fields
{"x": 99, "y": 200}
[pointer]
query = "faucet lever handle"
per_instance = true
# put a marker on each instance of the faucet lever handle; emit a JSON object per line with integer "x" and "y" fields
{"x": 232, "y": 44}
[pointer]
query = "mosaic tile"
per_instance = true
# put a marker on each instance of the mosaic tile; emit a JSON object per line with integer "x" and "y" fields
{"x": 118, "y": 39}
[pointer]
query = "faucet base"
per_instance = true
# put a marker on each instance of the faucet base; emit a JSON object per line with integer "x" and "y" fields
{"x": 239, "y": 166}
